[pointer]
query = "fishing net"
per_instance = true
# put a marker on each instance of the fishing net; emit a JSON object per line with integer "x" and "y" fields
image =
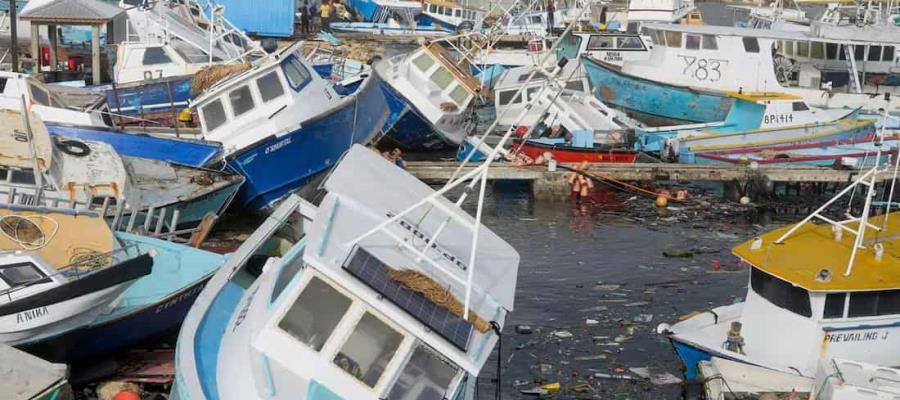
{"x": 420, "y": 283}
{"x": 209, "y": 76}
{"x": 23, "y": 231}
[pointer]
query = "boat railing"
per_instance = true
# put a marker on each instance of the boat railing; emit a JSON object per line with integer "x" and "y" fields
{"x": 79, "y": 266}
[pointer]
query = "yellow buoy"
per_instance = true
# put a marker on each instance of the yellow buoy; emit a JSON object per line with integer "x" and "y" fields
{"x": 551, "y": 386}
{"x": 185, "y": 115}
{"x": 661, "y": 201}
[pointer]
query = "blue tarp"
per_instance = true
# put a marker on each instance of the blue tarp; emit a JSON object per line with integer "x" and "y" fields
{"x": 261, "y": 17}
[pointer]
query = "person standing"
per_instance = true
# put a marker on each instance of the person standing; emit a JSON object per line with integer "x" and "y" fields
{"x": 304, "y": 18}
{"x": 325, "y": 14}
{"x": 551, "y": 9}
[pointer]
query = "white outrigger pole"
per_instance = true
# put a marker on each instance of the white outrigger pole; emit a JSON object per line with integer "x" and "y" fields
{"x": 478, "y": 176}
{"x": 868, "y": 179}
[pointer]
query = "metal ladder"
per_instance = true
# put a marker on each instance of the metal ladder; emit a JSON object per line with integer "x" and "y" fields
{"x": 850, "y": 55}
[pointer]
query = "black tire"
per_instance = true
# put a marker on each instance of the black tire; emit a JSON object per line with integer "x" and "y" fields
{"x": 73, "y": 148}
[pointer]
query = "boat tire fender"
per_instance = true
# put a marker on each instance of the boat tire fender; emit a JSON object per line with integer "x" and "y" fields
{"x": 73, "y": 148}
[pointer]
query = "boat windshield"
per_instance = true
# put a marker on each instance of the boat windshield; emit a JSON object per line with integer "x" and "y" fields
{"x": 425, "y": 376}
{"x": 781, "y": 293}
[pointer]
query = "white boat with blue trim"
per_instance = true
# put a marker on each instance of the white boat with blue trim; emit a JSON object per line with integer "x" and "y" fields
{"x": 350, "y": 311}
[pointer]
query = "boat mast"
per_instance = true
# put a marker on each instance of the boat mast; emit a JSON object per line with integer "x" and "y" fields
{"x": 869, "y": 180}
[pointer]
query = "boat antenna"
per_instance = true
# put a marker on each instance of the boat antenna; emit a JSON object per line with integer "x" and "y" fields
{"x": 868, "y": 179}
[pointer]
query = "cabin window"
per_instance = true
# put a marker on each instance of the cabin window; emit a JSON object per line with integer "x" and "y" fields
{"x": 447, "y": 11}
{"x": 22, "y": 177}
{"x": 831, "y": 51}
{"x": 888, "y": 53}
{"x": 423, "y": 62}
{"x": 285, "y": 276}
{"x": 369, "y": 349}
{"x": 2, "y": 85}
{"x": 425, "y": 376}
{"x": 269, "y": 87}
{"x": 709, "y": 42}
{"x": 20, "y": 274}
{"x": 788, "y": 49}
{"x": 817, "y": 50}
{"x": 214, "y": 115}
{"x": 39, "y": 95}
{"x": 867, "y": 304}
{"x": 859, "y": 52}
{"x": 802, "y": 49}
{"x": 632, "y": 27}
{"x": 692, "y": 42}
{"x": 459, "y": 94}
{"x": 799, "y": 106}
{"x": 834, "y": 305}
{"x": 531, "y": 93}
{"x": 535, "y": 19}
{"x": 155, "y": 56}
{"x": 315, "y": 314}
{"x": 457, "y": 13}
{"x": 673, "y": 39}
{"x": 629, "y": 43}
{"x": 442, "y": 78}
{"x": 751, "y": 45}
{"x": 874, "y": 53}
{"x": 598, "y": 42}
{"x": 241, "y": 100}
{"x": 296, "y": 73}
{"x": 506, "y": 97}
{"x": 659, "y": 38}
{"x": 780, "y": 293}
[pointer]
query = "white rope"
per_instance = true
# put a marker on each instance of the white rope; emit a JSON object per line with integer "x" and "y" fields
{"x": 38, "y": 244}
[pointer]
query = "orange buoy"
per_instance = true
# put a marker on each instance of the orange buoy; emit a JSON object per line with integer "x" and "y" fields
{"x": 661, "y": 201}
{"x": 126, "y": 395}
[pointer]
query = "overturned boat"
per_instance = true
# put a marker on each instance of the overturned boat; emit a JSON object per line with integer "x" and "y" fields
{"x": 349, "y": 312}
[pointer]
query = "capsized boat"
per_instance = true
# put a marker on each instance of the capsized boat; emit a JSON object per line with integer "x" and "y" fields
{"x": 816, "y": 292}
{"x": 153, "y": 304}
{"x": 567, "y": 152}
{"x": 853, "y": 153}
{"x": 432, "y": 95}
{"x": 345, "y": 312}
{"x": 90, "y": 175}
{"x": 30, "y": 378}
{"x": 749, "y": 110}
{"x": 686, "y": 148}
{"x": 59, "y": 270}
{"x": 390, "y": 17}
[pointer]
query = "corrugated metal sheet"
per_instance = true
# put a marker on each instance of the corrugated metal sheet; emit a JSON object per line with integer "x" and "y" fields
{"x": 261, "y": 17}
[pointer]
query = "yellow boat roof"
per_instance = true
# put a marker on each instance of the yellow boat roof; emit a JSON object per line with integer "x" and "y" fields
{"x": 801, "y": 257}
{"x": 75, "y": 234}
{"x": 763, "y": 96}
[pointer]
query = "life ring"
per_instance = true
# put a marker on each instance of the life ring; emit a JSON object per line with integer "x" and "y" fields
{"x": 73, "y": 148}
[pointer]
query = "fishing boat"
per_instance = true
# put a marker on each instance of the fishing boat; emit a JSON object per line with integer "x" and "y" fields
{"x": 451, "y": 15}
{"x": 686, "y": 148}
{"x": 281, "y": 124}
{"x": 653, "y": 101}
{"x": 749, "y": 110}
{"x": 62, "y": 172}
{"x": 348, "y": 311}
{"x": 153, "y": 304}
{"x": 391, "y": 17}
{"x": 433, "y": 96}
{"x": 830, "y": 66}
{"x": 565, "y": 152}
{"x": 853, "y": 153}
{"x": 59, "y": 270}
{"x": 43, "y": 101}
{"x": 817, "y": 292}
{"x": 30, "y": 378}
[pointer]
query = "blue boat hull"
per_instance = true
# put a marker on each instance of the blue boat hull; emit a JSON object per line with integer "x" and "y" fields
{"x": 154, "y": 304}
{"x": 150, "y": 97}
{"x": 690, "y": 356}
{"x": 655, "y": 99}
{"x": 365, "y": 8}
{"x": 185, "y": 152}
{"x": 408, "y": 128}
{"x": 277, "y": 166}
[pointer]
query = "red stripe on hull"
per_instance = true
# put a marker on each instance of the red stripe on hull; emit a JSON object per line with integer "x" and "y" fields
{"x": 576, "y": 155}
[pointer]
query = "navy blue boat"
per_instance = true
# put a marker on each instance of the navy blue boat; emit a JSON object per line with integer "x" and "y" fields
{"x": 150, "y": 97}
{"x": 664, "y": 103}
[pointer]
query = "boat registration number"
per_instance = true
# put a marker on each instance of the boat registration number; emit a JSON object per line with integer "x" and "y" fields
{"x": 703, "y": 69}
{"x": 778, "y": 118}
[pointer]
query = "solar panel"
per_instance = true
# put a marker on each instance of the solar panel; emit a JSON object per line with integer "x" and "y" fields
{"x": 371, "y": 271}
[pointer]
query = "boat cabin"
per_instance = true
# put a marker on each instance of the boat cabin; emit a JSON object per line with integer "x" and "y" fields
{"x": 42, "y": 100}
{"x": 450, "y": 14}
{"x": 509, "y": 106}
{"x": 822, "y": 311}
{"x": 138, "y": 62}
{"x": 611, "y": 47}
{"x": 271, "y": 97}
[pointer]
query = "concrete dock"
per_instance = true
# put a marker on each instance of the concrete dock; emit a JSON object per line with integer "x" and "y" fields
{"x": 551, "y": 183}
